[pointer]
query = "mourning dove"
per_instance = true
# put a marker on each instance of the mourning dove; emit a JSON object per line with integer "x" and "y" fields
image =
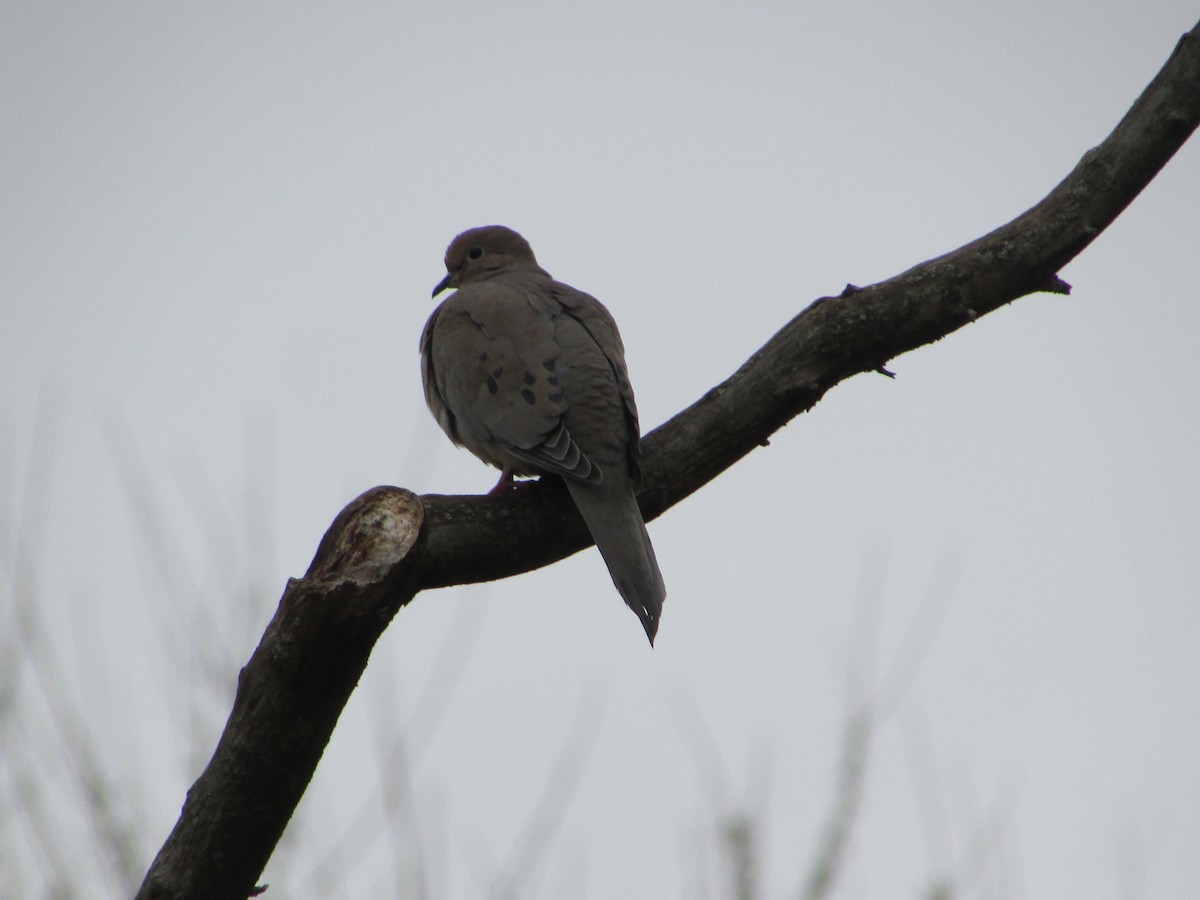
{"x": 529, "y": 375}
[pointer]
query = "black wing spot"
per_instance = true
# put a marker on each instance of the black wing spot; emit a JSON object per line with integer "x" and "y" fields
{"x": 556, "y": 397}
{"x": 492, "y": 385}
{"x": 549, "y": 364}
{"x": 528, "y": 395}
{"x": 498, "y": 371}
{"x": 552, "y": 380}
{"x": 530, "y": 378}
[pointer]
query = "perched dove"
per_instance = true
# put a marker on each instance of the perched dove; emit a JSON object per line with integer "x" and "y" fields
{"x": 529, "y": 375}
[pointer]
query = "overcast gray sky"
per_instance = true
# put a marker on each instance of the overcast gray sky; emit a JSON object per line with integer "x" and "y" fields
{"x": 219, "y": 227}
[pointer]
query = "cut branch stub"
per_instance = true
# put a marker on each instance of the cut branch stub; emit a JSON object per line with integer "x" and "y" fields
{"x": 375, "y": 531}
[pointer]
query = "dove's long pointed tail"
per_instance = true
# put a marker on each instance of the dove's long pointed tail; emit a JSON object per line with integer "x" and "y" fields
{"x": 611, "y": 512}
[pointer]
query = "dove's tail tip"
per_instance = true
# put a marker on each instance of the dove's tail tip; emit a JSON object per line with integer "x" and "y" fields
{"x": 650, "y": 623}
{"x": 612, "y": 516}
{"x": 649, "y": 611}
{"x": 642, "y": 589}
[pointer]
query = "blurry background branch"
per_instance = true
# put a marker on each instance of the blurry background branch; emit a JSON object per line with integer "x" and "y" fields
{"x": 388, "y": 545}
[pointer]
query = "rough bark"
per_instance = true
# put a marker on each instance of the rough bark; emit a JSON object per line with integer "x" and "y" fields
{"x": 389, "y": 544}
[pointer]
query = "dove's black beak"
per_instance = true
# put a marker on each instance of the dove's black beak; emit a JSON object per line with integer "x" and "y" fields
{"x": 443, "y": 284}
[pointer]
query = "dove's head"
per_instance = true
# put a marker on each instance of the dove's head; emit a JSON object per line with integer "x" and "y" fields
{"x": 482, "y": 252}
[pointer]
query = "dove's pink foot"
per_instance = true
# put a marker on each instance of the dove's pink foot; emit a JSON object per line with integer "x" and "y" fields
{"x": 508, "y": 483}
{"x": 505, "y": 484}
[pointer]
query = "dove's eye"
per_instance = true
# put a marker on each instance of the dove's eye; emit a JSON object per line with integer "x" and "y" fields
{"x": 475, "y": 252}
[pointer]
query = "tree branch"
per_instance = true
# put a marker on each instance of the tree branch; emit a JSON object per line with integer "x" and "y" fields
{"x": 389, "y": 544}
